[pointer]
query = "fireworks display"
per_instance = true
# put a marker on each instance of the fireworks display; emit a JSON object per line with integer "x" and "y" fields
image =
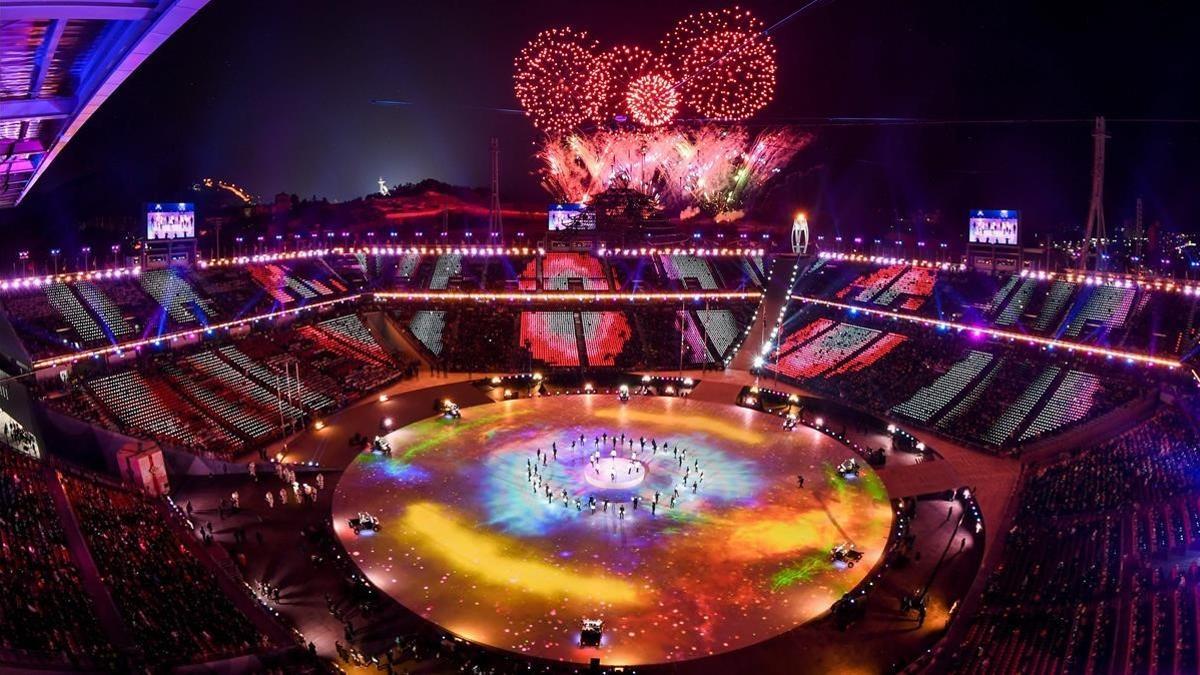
{"x": 724, "y": 63}
{"x": 717, "y": 65}
{"x": 652, "y": 100}
{"x": 717, "y": 170}
{"x": 612, "y": 72}
{"x": 551, "y": 80}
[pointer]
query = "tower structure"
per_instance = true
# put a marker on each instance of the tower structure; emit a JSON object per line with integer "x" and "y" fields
{"x": 1094, "y": 234}
{"x": 495, "y": 219}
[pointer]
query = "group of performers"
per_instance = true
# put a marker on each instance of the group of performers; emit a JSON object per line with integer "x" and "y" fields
{"x": 535, "y": 467}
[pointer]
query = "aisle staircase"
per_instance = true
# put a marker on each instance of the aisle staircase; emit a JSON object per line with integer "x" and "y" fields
{"x": 577, "y": 319}
{"x": 776, "y": 297}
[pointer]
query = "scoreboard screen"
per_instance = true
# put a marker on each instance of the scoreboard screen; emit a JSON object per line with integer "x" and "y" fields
{"x": 571, "y": 217}
{"x": 1000, "y": 228}
{"x": 176, "y": 220}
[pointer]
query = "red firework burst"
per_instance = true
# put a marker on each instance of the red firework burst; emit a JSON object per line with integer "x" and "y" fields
{"x": 652, "y": 100}
{"x": 724, "y": 63}
{"x": 551, "y": 79}
{"x": 612, "y": 72}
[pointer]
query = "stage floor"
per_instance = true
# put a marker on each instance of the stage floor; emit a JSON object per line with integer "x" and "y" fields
{"x": 471, "y": 541}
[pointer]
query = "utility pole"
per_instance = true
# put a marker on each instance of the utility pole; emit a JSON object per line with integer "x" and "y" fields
{"x": 495, "y": 220}
{"x": 1095, "y": 220}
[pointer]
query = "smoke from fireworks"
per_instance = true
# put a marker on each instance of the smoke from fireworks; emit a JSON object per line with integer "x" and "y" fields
{"x": 719, "y": 171}
{"x": 721, "y": 65}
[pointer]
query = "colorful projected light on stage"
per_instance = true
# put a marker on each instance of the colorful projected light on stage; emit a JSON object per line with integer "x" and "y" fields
{"x": 512, "y": 547}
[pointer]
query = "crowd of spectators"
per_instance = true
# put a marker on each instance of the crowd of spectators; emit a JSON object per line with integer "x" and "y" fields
{"x": 928, "y": 352}
{"x": 326, "y": 364}
{"x": 45, "y": 614}
{"x": 1159, "y": 322}
{"x": 484, "y": 337}
{"x": 1099, "y": 567}
{"x": 170, "y": 601}
{"x": 42, "y": 329}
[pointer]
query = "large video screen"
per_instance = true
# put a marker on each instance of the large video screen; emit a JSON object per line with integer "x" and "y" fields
{"x": 571, "y": 217}
{"x": 1000, "y": 228}
{"x": 170, "y": 221}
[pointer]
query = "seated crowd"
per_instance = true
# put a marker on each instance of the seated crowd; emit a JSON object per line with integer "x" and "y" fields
{"x": 485, "y": 337}
{"x": 333, "y": 372}
{"x": 169, "y": 600}
{"x": 1107, "y": 315}
{"x": 972, "y": 407}
{"x": 1099, "y": 569}
{"x": 45, "y": 614}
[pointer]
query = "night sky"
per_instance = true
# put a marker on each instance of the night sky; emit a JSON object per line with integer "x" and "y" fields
{"x": 276, "y": 95}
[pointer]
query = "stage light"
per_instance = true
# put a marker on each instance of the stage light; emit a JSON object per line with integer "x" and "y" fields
{"x": 319, "y": 425}
{"x": 819, "y": 422}
{"x": 383, "y": 398}
{"x": 387, "y": 423}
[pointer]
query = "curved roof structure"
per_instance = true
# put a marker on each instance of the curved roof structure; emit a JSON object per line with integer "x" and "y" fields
{"x": 59, "y": 61}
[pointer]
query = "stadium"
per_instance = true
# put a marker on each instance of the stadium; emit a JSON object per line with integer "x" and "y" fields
{"x": 653, "y": 427}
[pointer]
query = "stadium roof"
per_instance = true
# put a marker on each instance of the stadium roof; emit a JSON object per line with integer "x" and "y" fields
{"x": 59, "y": 61}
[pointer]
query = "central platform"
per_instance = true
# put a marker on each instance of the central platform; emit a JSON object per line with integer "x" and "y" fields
{"x": 615, "y": 473}
{"x": 510, "y": 526}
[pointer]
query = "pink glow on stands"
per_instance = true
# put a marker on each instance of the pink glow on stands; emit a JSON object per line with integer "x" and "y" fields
{"x": 431, "y": 296}
{"x": 1089, "y": 278}
{"x": 567, "y": 296}
{"x": 559, "y": 268}
{"x": 802, "y": 335}
{"x": 604, "y": 336}
{"x": 819, "y": 356}
{"x": 476, "y": 251}
{"x": 551, "y": 337}
{"x": 1132, "y": 357}
{"x": 881, "y": 348}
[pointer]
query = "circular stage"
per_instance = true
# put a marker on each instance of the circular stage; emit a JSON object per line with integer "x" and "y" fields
{"x": 511, "y": 547}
